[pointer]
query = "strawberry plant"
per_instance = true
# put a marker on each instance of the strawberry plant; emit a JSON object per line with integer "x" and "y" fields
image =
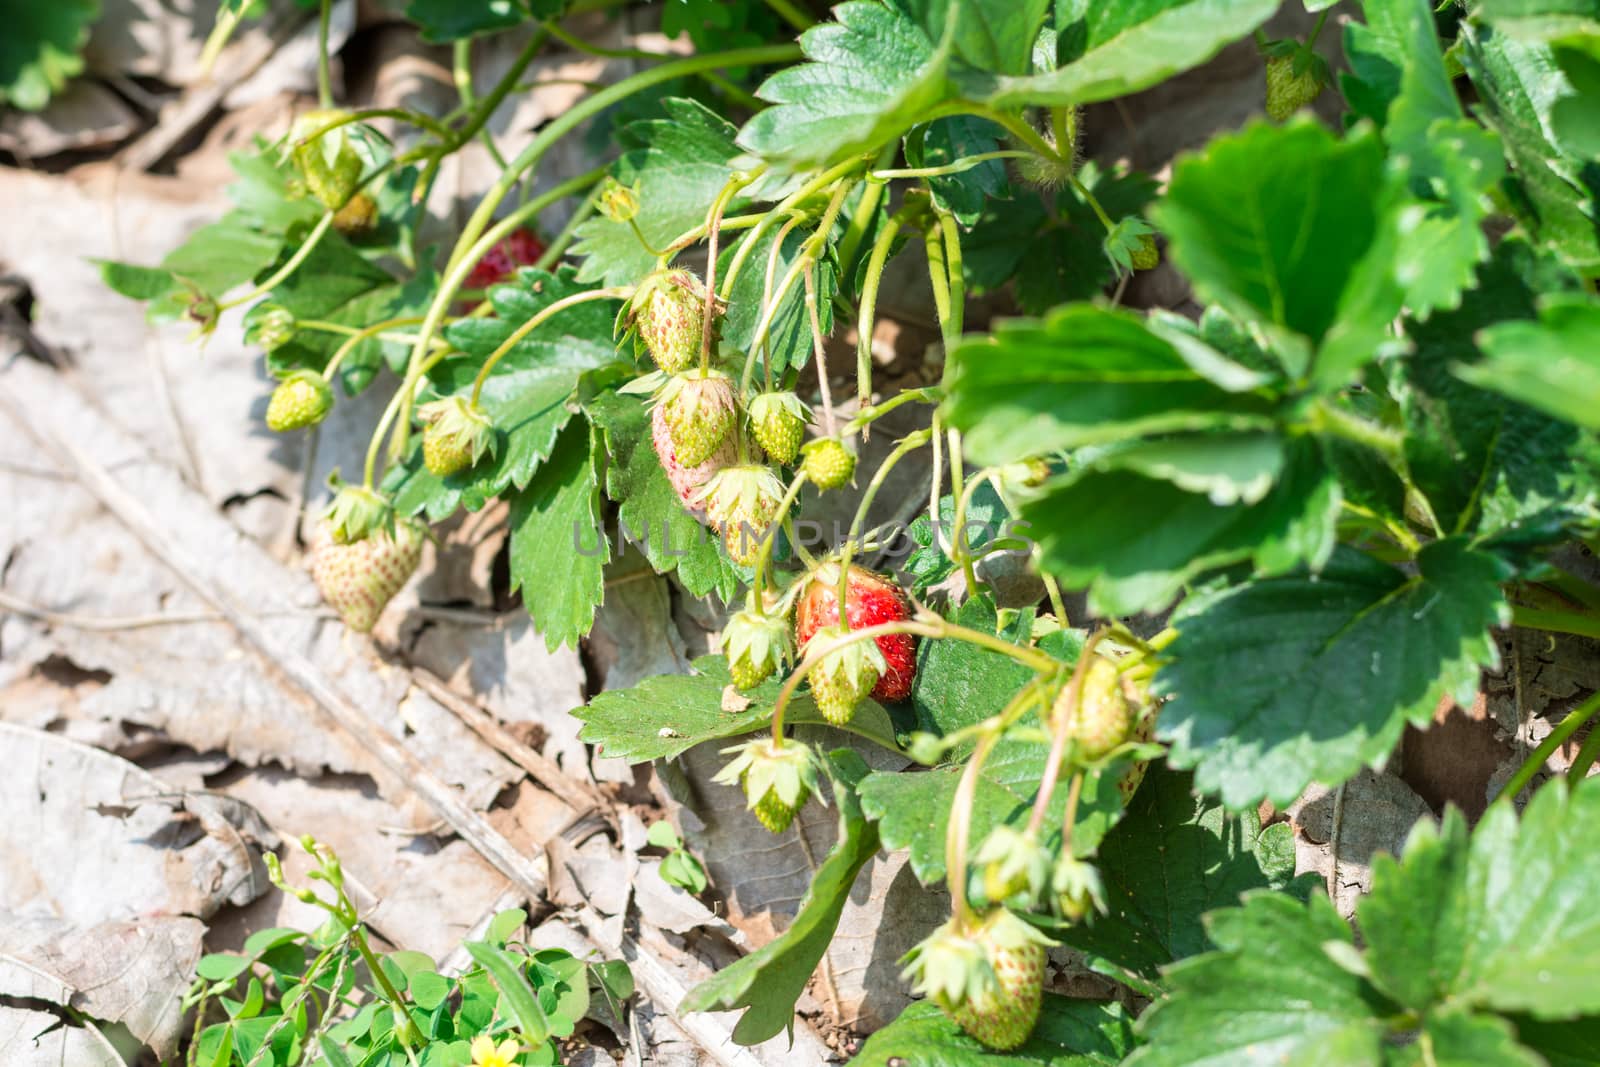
{"x": 326, "y": 996}
{"x": 1297, "y": 509}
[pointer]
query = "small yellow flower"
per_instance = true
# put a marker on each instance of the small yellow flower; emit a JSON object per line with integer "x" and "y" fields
{"x": 485, "y": 1054}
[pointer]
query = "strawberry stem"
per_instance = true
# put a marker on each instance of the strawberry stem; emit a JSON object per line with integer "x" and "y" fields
{"x": 959, "y": 828}
{"x": 764, "y": 554}
{"x": 1059, "y": 734}
{"x": 1558, "y": 737}
{"x": 819, "y": 349}
{"x": 765, "y": 348}
{"x": 620, "y": 292}
{"x": 282, "y": 274}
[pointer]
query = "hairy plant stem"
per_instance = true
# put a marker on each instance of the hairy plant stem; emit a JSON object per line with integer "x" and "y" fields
{"x": 457, "y": 273}
{"x": 928, "y": 394}
{"x": 872, "y": 277}
{"x": 399, "y": 401}
{"x": 764, "y": 552}
{"x": 713, "y": 232}
{"x": 910, "y": 443}
{"x": 956, "y": 279}
{"x": 925, "y": 624}
{"x": 1329, "y": 418}
{"x": 958, "y": 541}
{"x": 789, "y": 12}
{"x": 1585, "y": 758}
{"x": 282, "y": 274}
{"x": 621, "y": 292}
{"x": 958, "y": 166}
{"x": 324, "y": 62}
{"x": 1060, "y": 735}
{"x": 569, "y": 233}
{"x": 355, "y": 337}
{"x": 1535, "y": 762}
{"x": 1560, "y": 622}
{"x": 781, "y": 210}
{"x": 400, "y": 114}
{"x": 461, "y": 71}
{"x": 763, "y": 350}
{"x": 477, "y": 236}
{"x": 819, "y": 349}
{"x": 959, "y": 829}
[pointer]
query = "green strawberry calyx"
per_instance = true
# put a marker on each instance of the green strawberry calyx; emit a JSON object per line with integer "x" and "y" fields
{"x": 357, "y": 512}
{"x": 759, "y": 640}
{"x": 459, "y": 426}
{"x": 953, "y": 965}
{"x": 1075, "y": 888}
{"x": 784, "y": 768}
{"x": 1014, "y": 864}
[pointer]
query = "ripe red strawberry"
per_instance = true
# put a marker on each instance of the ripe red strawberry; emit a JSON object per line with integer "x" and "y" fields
{"x": 358, "y": 579}
{"x": 302, "y": 399}
{"x": 1288, "y": 92}
{"x": 987, "y": 977}
{"x": 776, "y": 776}
{"x": 520, "y": 249}
{"x": 687, "y": 481}
{"x": 828, "y": 463}
{"x": 871, "y": 599}
{"x": 1099, "y": 716}
{"x": 701, "y": 410}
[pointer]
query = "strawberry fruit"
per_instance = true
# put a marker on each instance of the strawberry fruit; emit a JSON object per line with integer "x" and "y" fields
{"x": 987, "y": 977}
{"x": 778, "y": 421}
{"x": 776, "y": 775}
{"x": 686, "y": 481}
{"x": 521, "y": 248}
{"x": 359, "y": 578}
{"x": 843, "y": 676}
{"x": 1287, "y": 90}
{"x": 1100, "y": 715}
{"x": 757, "y": 646}
{"x": 870, "y": 599}
{"x": 302, "y": 399}
{"x": 828, "y": 463}
{"x": 742, "y": 502}
{"x": 700, "y": 413}
{"x": 668, "y": 313}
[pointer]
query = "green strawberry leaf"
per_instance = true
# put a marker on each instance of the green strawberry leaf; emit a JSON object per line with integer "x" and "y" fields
{"x": 789, "y": 337}
{"x": 451, "y": 20}
{"x": 872, "y": 75}
{"x": 1051, "y": 255}
{"x": 1535, "y": 876}
{"x": 1410, "y": 95}
{"x": 991, "y": 35}
{"x": 1487, "y": 464}
{"x": 1087, "y": 375}
{"x": 1567, "y": 1043}
{"x": 963, "y": 194}
{"x": 988, "y": 521}
{"x": 671, "y": 713}
{"x": 529, "y": 394}
{"x": 957, "y": 683}
{"x": 1456, "y": 1039}
{"x": 650, "y": 515}
{"x": 1275, "y": 987}
{"x": 1369, "y": 647}
{"x": 1081, "y": 523}
{"x": 1175, "y": 856}
{"x": 676, "y": 166}
{"x": 1287, "y": 225}
{"x": 1517, "y": 81}
{"x": 913, "y": 810}
{"x": 41, "y": 49}
{"x": 337, "y": 284}
{"x": 556, "y": 516}
{"x": 1552, "y": 365}
{"x": 1071, "y": 1033}
{"x": 769, "y": 981}
{"x": 1111, "y": 50}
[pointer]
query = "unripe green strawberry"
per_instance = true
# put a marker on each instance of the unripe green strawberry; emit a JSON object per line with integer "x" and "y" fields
{"x": 1144, "y": 731}
{"x": 302, "y": 399}
{"x": 1288, "y": 92}
{"x": 1146, "y": 256}
{"x": 456, "y": 435}
{"x": 1076, "y": 888}
{"x": 700, "y": 411}
{"x": 358, "y": 216}
{"x": 1014, "y": 864}
{"x": 327, "y": 162}
{"x": 828, "y": 463}
{"x": 271, "y": 326}
{"x": 779, "y": 423}
{"x": 757, "y": 646}
{"x": 668, "y": 312}
{"x": 1098, "y": 716}
{"x": 358, "y": 579}
{"x": 842, "y": 677}
{"x": 987, "y": 978}
{"x": 742, "y": 503}
{"x": 776, "y": 775}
